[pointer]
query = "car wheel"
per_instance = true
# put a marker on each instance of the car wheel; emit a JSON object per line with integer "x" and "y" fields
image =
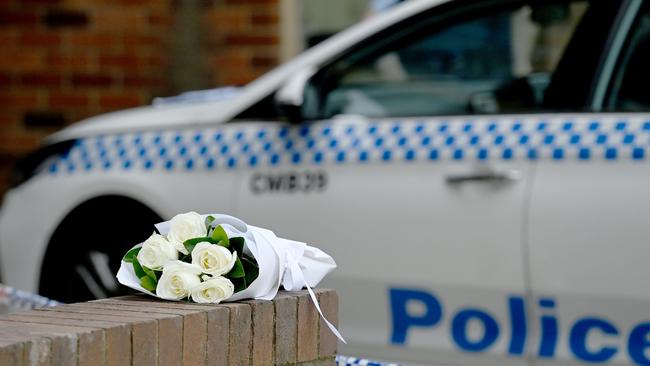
{"x": 86, "y": 249}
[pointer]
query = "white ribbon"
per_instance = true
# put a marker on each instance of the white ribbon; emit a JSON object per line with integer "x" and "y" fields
{"x": 294, "y": 280}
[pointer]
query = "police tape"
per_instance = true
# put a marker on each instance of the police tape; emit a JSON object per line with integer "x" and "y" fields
{"x": 354, "y": 361}
{"x": 16, "y": 299}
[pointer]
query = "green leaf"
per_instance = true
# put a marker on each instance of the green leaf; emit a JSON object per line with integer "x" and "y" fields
{"x": 237, "y": 270}
{"x": 189, "y": 244}
{"x": 219, "y": 234}
{"x": 237, "y": 244}
{"x": 208, "y": 221}
{"x": 148, "y": 283}
{"x": 139, "y": 271}
{"x": 150, "y": 272}
{"x": 131, "y": 254}
{"x": 251, "y": 269}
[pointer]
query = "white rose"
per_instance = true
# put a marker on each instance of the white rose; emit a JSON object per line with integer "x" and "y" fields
{"x": 185, "y": 226}
{"x": 213, "y": 259}
{"x": 213, "y": 291}
{"x": 177, "y": 280}
{"x": 156, "y": 251}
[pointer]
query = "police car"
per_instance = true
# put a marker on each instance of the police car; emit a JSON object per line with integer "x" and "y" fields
{"x": 479, "y": 170}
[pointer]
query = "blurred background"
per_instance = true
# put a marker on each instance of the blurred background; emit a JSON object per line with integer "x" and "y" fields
{"x": 65, "y": 60}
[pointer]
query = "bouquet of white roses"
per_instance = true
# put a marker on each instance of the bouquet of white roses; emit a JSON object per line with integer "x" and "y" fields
{"x": 194, "y": 260}
{"x": 214, "y": 258}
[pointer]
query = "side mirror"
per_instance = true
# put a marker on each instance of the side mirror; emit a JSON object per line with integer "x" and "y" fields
{"x": 290, "y": 98}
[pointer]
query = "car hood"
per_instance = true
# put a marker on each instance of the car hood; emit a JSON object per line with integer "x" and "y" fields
{"x": 182, "y": 115}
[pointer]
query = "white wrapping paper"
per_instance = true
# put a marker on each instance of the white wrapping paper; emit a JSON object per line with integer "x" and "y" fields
{"x": 289, "y": 263}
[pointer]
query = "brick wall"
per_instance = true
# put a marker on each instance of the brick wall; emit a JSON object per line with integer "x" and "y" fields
{"x": 140, "y": 330}
{"x": 64, "y": 60}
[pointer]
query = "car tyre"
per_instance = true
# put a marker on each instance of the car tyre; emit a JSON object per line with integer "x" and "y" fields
{"x": 85, "y": 251}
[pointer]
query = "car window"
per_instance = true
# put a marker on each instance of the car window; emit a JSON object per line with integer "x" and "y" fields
{"x": 495, "y": 62}
{"x": 629, "y": 91}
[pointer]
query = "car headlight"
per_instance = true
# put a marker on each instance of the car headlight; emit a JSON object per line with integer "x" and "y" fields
{"x": 28, "y": 166}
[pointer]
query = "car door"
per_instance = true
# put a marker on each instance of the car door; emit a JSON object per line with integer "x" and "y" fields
{"x": 419, "y": 197}
{"x": 589, "y": 230}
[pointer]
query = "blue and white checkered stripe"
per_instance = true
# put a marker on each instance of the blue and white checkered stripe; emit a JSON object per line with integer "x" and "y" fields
{"x": 269, "y": 144}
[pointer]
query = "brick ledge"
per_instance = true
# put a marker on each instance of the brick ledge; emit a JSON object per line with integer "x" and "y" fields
{"x": 140, "y": 330}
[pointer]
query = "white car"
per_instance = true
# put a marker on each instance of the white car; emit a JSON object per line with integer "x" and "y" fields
{"x": 479, "y": 170}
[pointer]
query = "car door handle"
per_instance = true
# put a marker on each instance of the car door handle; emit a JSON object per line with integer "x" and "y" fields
{"x": 484, "y": 177}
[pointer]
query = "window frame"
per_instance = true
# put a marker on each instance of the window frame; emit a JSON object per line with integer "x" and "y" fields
{"x": 451, "y": 13}
{"x": 619, "y": 54}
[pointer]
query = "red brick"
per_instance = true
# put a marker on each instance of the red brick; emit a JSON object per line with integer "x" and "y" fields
{"x": 10, "y": 118}
{"x": 94, "y": 79}
{"x": 286, "y": 327}
{"x": 18, "y": 100}
{"x": 170, "y": 329}
{"x": 231, "y": 61}
{"x": 69, "y": 60}
{"x": 62, "y": 346}
{"x": 307, "y": 328}
{"x": 171, "y": 335}
{"x": 228, "y": 19}
{"x": 118, "y": 344}
{"x": 40, "y": 2}
{"x": 263, "y": 313}
{"x": 91, "y": 337}
{"x": 153, "y": 61}
{"x": 152, "y": 305}
{"x": 264, "y": 62}
{"x": 60, "y": 99}
{"x": 329, "y": 301}
{"x": 143, "y": 81}
{"x": 10, "y": 17}
{"x": 134, "y": 41}
{"x": 160, "y": 20}
{"x": 123, "y": 61}
{"x": 251, "y": 40}
{"x": 36, "y": 349}
{"x": 11, "y": 353}
{"x": 39, "y": 38}
{"x": 41, "y": 79}
{"x": 195, "y": 336}
{"x": 16, "y": 144}
{"x": 218, "y": 333}
{"x": 240, "y": 337}
{"x": 237, "y": 78}
{"x": 144, "y": 343}
{"x": 264, "y": 19}
{"x": 118, "y": 335}
{"x": 118, "y": 101}
{"x": 119, "y": 19}
{"x": 170, "y": 341}
{"x": 95, "y": 40}
{"x": 148, "y": 3}
{"x": 8, "y": 37}
{"x": 6, "y": 78}
{"x": 23, "y": 60}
